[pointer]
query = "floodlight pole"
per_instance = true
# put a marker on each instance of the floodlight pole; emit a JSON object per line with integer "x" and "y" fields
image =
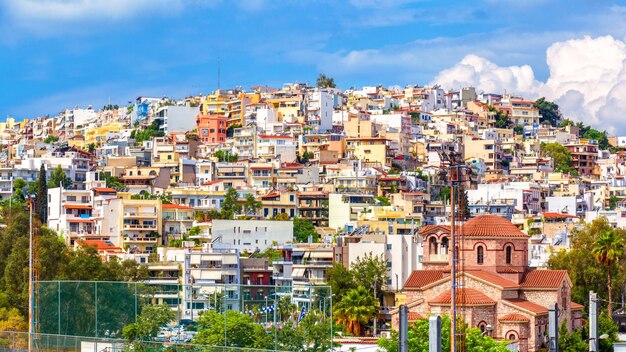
{"x": 31, "y": 271}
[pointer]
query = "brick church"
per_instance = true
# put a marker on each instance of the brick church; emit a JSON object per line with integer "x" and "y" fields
{"x": 500, "y": 294}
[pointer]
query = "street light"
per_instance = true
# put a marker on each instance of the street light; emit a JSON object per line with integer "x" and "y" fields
{"x": 31, "y": 273}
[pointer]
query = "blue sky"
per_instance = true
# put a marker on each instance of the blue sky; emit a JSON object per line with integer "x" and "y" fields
{"x": 61, "y": 53}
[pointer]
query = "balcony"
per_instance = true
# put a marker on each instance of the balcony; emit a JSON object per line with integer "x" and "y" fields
{"x": 140, "y": 227}
{"x": 438, "y": 258}
{"x": 148, "y": 240}
{"x": 139, "y": 215}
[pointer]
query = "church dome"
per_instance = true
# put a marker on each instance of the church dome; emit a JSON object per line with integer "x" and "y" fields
{"x": 491, "y": 226}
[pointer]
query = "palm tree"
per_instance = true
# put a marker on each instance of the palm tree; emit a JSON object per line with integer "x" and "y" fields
{"x": 355, "y": 309}
{"x": 607, "y": 249}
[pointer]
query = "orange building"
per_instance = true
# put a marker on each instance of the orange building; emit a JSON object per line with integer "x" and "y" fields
{"x": 211, "y": 128}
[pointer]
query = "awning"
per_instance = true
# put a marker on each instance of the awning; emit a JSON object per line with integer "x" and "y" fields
{"x": 79, "y": 220}
{"x": 328, "y": 255}
{"x": 212, "y": 275}
{"x": 195, "y": 259}
{"x": 229, "y": 260}
{"x": 297, "y": 253}
{"x": 297, "y": 272}
{"x": 78, "y": 206}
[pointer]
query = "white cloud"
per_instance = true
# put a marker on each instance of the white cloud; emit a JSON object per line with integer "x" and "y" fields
{"x": 47, "y": 17}
{"x": 489, "y": 76}
{"x": 69, "y": 10}
{"x": 587, "y": 78}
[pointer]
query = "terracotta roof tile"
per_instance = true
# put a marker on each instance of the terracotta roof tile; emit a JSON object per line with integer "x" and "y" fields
{"x": 464, "y": 296}
{"x": 434, "y": 228}
{"x": 491, "y": 226}
{"x": 492, "y": 278}
{"x": 421, "y": 278}
{"x": 543, "y": 279}
{"x": 514, "y": 317}
{"x": 527, "y": 306}
{"x": 576, "y": 306}
{"x": 413, "y": 316}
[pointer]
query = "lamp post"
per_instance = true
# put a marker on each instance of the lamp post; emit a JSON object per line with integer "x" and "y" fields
{"x": 31, "y": 273}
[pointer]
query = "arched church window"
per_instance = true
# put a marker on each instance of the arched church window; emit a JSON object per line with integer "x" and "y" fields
{"x": 480, "y": 255}
{"x": 508, "y": 251}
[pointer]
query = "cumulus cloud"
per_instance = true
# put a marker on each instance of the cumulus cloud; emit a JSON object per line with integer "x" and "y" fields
{"x": 587, "y": 78}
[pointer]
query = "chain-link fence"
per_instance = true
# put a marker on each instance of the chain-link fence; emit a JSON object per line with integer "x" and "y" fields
{"x": 18, "y": 341}
{"x": 100, "y": 310}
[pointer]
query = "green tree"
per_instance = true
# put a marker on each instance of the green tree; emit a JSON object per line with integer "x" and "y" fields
{"x": 58, "y": 178}
{"x": 324, "y": 81}
{"x": 12, "y": 320}
{"x": 356, "y": 309}
{"x": 19, "y": 188}
{"x": 383, "y": 201}
{"x": 51, "y": 139}
{"x": 561, "y": 156}
{"x": 111, "y": 181}
{"x": 241, "y": 330}
{"x": 583, "y": 268}
{"x": 418, "y": 338}
{"x": 41, "y": 202}
{"x": 501, "y": 120}
{"x": 340, "y": 279}
{"x": 312, "y": 334}
{"x": 370, "y": 271}
{"x": 251, "y": 204}
{"x": 152, "y": 317}
{"x": 607, "y": 249}
{"x": 549, "y": 111}
{"x": 302, "y": 229}
{"x": 223, "y": 156}
{"x": 153, "y": 130}
{"x": 231, "y": 204}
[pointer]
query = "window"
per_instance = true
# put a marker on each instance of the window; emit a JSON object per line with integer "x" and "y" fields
{"x": 512, "y": 336}
{"x": 508, "y": 254}
{"x": 479, "y": 255}
{"x": 388, "y": 247}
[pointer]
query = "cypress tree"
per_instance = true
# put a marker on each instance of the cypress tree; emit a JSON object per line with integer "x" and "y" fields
{"x": 41, "y": 205}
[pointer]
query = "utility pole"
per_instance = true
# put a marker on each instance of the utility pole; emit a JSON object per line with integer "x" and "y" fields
{"x": 593, "y": 321}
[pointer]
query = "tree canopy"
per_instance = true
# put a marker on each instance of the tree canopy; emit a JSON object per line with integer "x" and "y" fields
{"x": 582, "y": 266}
{"x": 324, "y": 81}
{"x": 302, "y": 229}
{"x": 561, "y": 157}
{"x": 58, "y": 178}
{"x": 549, "y": 111}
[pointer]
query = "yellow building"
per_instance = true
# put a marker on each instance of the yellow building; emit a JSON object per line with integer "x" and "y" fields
{"x": 372, "y": 151}
{"x": 288, "y": 109}
{"x": 136, "y": 223}
{"x": 232, "y": 105}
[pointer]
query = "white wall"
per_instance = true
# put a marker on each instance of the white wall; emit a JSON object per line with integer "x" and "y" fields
{"x": 251, "y": 234}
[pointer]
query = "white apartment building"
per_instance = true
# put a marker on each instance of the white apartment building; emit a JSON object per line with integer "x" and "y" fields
{"x": 319, "y": 110}
{"x": 271, "y": 147}
{"x": 344, "y": 210}
{"x": 251, "y": 235}
{"x": 403, "y": 254}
